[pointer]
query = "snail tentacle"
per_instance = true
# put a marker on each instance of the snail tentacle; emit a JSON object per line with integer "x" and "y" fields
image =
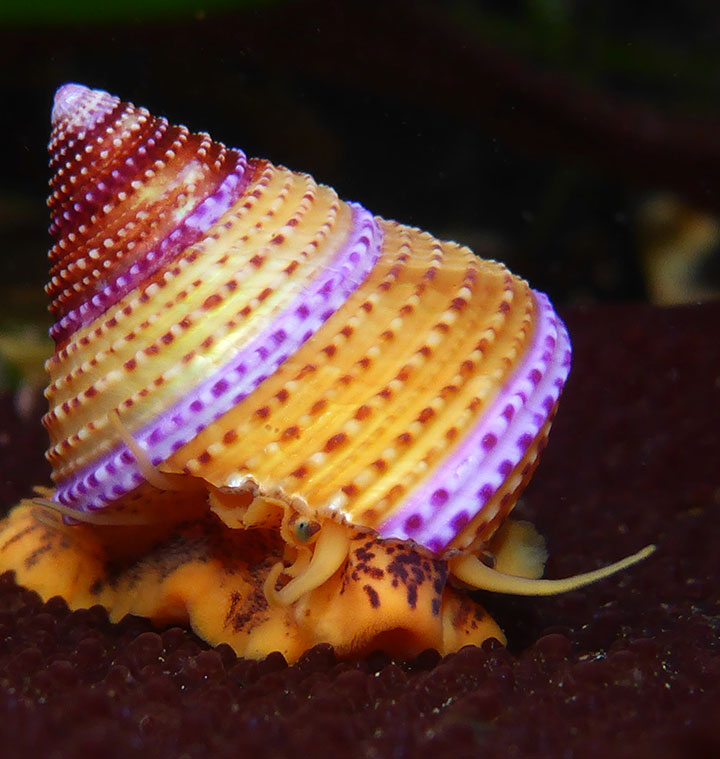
{"x": 471, "y": 571}
{"x": 331, "y": 549}
{"x": 149, "y": 471}
{"x": 99, "y": 518}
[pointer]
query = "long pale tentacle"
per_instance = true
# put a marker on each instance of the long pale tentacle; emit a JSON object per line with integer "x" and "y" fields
{"x": 470, "y": 570}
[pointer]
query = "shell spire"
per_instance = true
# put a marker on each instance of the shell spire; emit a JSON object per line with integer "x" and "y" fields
{"x": 128, "y": 193}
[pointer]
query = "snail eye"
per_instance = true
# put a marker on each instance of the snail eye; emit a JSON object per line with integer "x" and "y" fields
{"x": 305, "y": 529}
{"x": 488, "y": 558}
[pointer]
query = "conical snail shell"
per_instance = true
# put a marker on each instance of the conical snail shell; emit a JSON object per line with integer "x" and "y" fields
{"x": 273, "y": 416}
{"x": 253, "y": 330}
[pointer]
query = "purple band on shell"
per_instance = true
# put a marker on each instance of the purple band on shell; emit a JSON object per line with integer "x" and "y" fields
{"x": 117, "y": 473}
{"x": 438, "y": 510}
{"x": 186, "y": 233}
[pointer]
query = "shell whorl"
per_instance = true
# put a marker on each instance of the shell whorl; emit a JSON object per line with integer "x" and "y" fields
{"x": 252, "y": 329}
{"x": 128, "y": 193}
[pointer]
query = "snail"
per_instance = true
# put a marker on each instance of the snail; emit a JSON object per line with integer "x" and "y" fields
{"x": 273, "y": 416}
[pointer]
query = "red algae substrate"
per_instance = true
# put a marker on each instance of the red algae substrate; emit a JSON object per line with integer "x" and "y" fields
{"x": 627, "y": 667}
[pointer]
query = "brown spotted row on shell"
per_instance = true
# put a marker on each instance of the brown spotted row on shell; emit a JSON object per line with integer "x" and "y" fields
{"x": 314, "y": 391}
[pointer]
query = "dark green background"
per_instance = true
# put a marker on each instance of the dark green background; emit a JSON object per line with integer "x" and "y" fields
{"x": 530, "y": 130}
